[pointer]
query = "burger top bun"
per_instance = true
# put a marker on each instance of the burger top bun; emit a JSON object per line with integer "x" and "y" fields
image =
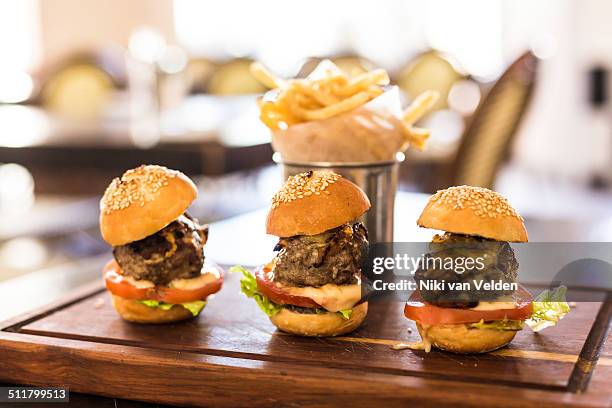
{"x": 313, "y": 202}
{"x": 143, "y": 201}
{"x": 473, "y": 211}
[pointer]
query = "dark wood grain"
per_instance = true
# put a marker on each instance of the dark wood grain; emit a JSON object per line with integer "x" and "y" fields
{"x": 233, "y": 356}
{"x": 231, "y": 325}
{"x": 591, "y": 351}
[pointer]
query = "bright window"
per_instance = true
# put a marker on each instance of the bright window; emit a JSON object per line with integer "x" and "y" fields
{"x": 19, "y": 34}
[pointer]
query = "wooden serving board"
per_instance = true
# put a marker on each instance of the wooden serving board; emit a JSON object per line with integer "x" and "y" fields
{"x": 233, "y": 356}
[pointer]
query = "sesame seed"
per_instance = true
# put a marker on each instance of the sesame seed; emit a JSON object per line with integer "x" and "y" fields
{"x": 483, "y": 202}
{"x": 304, "y": 185}
{"x": 136, "y": 186}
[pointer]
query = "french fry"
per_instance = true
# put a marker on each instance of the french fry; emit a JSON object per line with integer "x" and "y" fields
{"x": 374, "y": 91}
{"x": 343, "y": 106}
{"x": 276, "y": 116}
{"x": 304, "y": 101}
{"x": 419, "y": 107}
{"x": 416, "y": 137}
{"x": 328, "y": 92}
{"x": 264, "y": 76}
{"x": 319, "y": 94}
{"x": 365, "y": 80}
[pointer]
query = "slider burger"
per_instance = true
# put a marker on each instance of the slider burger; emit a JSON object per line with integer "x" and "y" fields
{"x": 479, "y": 224}
{"x": 313, "y": 285}
{"x": 158, "y": 274}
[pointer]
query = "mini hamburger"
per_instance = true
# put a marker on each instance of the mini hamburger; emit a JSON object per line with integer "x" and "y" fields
{"x": 479, "y": 224}
{"x": 159, "y": 273}
{"x": 313, "y": 285}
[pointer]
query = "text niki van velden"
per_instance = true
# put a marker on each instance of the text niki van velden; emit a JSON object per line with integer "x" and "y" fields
{"x": 403, "y": 264}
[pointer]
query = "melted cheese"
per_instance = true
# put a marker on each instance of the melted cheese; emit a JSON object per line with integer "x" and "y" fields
{"x": 138, "y": 283}
{"x": 185, "y": 284}
{"x": 495, "y": 305}
{"x": 332, "y": 298}
{"x": 424, "y": 345}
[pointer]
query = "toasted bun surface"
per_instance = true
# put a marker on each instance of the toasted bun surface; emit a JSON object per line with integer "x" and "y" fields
{"x": 473, "y": 211}
{"x": 313, "y": 202}
{"x": 458, "y": 338}
{"x": 143, "y": 201}
{"x": 319, "y": 325}
{"x": 132, "y": 311}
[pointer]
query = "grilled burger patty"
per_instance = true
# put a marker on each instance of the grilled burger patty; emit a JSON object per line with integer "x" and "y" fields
{"x": 500, "y": 264}
{"x": 334, "y": 256}
{"x": 176, "y": 251}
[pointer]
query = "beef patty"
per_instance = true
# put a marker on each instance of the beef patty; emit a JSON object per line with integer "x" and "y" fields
{"x": 499, "y": 264}
{"x": 334, "y": 256}
{"x": 176, "y": 251}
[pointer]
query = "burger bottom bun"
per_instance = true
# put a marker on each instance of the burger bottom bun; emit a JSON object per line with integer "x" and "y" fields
{"x": 319, "y": 325}
{"x": 133, "y": 311}
{"x": 458, "y": 338}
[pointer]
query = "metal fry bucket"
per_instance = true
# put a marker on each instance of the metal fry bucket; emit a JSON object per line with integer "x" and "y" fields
{"x": 378, "y": 180}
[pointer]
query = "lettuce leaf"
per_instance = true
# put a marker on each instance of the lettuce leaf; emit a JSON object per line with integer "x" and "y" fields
{"x": 346, "y": 314}
{"x": 548, "y": 308}
{"x": 248, "y": 286}
{"x": 194, "y": 307}
{"x": 503, "y": 325}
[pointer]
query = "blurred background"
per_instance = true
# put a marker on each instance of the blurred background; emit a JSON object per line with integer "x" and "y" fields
{"x": 90, "y": 88}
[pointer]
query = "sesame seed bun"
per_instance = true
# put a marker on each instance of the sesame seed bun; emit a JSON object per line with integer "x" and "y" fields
{"x": 143, "y": 201}
{"x": 313, "y": 202}
{"x": 133, "y": 311}
{"x": 473, "y": 211}
{"x": 319, "y": 325}
{"x": 458, "y": 338}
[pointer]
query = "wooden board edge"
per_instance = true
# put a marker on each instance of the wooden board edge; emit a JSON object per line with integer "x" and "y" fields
{"x": 226, "y": 381}
{"x": 578, "y": 382}
{"x": 78, "y": 294}
{"x": 592, "y": 348}
{"x": 342, "y": 366}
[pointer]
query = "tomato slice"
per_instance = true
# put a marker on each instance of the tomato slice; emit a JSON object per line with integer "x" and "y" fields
{"x": 118, "y": 285}
{"x": 422, "y": 312}
{"x": 278, "y": 295}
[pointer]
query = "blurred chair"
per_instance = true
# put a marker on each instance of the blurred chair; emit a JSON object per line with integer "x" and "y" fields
{"x": 199, "y": 72}
{"x": 430, "y": 70}
{"x": 351, "y": 64}
{"x": 487, "y": 140}
{"x": 234, "y": 78}
{"x": 82, "y": 85}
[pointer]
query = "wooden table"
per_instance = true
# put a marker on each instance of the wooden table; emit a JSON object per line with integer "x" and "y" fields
{"x": 233, "y": 356}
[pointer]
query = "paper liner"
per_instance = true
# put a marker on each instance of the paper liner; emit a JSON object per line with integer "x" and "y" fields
{"x": 373, "y": 132}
